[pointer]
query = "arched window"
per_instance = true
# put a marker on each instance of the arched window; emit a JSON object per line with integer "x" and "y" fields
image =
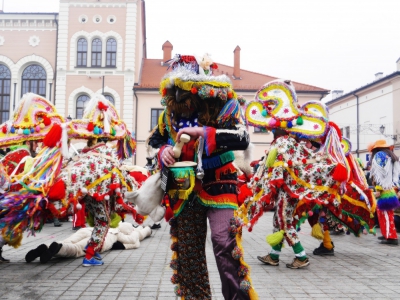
{"x": 81, "y": 103}
{"x": 5, "y": 85}
{"x": 111, "y": 53}
{"x": 96, "y": 53}
{"x": 110, "y": 98}
{"x": 34, "y": 80}
{"x": 81, "y": 57}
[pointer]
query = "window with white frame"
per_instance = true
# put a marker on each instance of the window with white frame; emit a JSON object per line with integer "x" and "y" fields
{"x": 155, "y": 115}
{"x": 110, "y": 98}
{"x": 96, "y": 53}
{"x": 111, "y": 53}
{"x": 347, "y": 132}
{"x": 81, "y": 55}
{"x": 5, "y": 84}
{"x": 81, "y": 103}
{"x": 34, "y": 80}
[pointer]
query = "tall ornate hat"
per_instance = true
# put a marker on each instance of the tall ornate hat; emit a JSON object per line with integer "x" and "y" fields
{"x": 32, "y": 120}
{"x": 193, "y": 75}
{"x": 276, "y": 106}
{"x": 100, "y": 120}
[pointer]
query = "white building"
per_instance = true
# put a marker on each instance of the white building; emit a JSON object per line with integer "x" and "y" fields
{"x": 369, "y": 113}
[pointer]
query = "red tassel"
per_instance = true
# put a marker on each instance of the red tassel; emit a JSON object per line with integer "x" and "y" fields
{"x": 139, "y": 219}
{"x": 90, "y": 126}
{"x": 340, "y": 173}
{"x": 244, "y": 193}
{"x": 168, "y": 213}
{"x": 53, "y": 137}
{"x": 57, "y": 191}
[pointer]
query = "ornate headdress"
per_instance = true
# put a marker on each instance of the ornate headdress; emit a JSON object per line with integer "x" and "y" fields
{"x": 32, "y": 120}
{"x": 276, "y": 106}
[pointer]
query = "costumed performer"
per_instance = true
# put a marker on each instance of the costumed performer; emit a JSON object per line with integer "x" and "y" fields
{"x": 206, "y": 108}
{"x": 31, "y": 122}
{"x": 120, "y": 236}
{"x": 291, "y": 172}
{"x": 385, "y": 171}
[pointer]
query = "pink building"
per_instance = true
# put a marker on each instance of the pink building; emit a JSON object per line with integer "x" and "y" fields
{"x": 93, "y": 47}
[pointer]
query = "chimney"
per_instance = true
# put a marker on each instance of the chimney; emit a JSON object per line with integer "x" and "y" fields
{"x": 236, "y": 63}
{"x": 167, "y": 50}
{"x": 378, "y": 76}
{"x": 337, "y": 94}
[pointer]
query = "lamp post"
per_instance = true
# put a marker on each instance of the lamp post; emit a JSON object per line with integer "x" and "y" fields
{"x": 382, "y": 129}
{"x": 69, "y": 118}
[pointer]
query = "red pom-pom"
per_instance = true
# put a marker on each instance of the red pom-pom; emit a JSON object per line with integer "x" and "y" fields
{"x": 102, "y": 106}
{"x": 46, "y": 121}
{"x": 290, "y": 163}
{"x": 90, "y": 126}
{"x": 4, "y": 129}
{"x": 304, "y": 161}
{"x": 53, "y": 137}
{"x": 310, "y": 213}
{"x": 212, "y": 92}
{"x": 193, "y": 90}
{"x": 57, "y": 191}
{"x": 277, "y": 123}
{"x": 168, "y": 213}
{"x": 230, "y": 95}
{"x": 214, "y": 66}
{"x": 256, "y": 178}
{"x": 340, "y": 173}
{"x": 164, "y": 92}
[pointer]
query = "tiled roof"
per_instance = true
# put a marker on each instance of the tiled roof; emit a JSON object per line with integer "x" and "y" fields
{"x": 153, "y": 71}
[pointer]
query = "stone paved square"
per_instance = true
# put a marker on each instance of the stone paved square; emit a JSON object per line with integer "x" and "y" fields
{"x": 360, "y": 269}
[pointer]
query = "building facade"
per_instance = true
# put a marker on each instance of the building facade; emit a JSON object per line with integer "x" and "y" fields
{"x": 94, "y": 46}
{"x": 88, "y": 47}
{"x": 370, "y": 113}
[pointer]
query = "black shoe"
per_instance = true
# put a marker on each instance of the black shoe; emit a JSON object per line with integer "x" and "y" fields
{"x": 321, "y": 250}
{"x": 57, "y": 223}
{"x": 337, "y": 232}
{"x": 53, "y": 250}
{"x": 35, "y": 253}
{"x": 2, "y": 259}
{"x": 393, "y": 242}
{"x": 76, "y": 228}
{"x": 381, "y": 238}
{"x": 155, "y": 226}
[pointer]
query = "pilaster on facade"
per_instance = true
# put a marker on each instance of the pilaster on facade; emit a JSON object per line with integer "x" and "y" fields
{"x": 130, "y": 38}
{"x": 61, "y": 81}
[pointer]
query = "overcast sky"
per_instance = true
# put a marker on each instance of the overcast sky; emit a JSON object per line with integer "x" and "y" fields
{"x": 333, "y": 44}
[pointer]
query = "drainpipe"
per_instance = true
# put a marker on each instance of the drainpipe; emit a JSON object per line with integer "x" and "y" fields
{"x": 136, "y": 116}
{"x": 15, "y": 93}
{"x": 55, "y": 65}
{"x": 358, "y": 125}
{"x": 50, "y": 83}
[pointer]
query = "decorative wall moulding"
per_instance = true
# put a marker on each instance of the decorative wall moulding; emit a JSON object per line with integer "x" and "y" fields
{"x": 34, "y": 40}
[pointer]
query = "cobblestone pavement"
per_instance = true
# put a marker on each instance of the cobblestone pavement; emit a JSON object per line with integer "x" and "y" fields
{"x": 360, "y": 269}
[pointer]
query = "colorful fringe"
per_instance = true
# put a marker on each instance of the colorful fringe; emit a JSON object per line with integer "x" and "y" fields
{"x": 218, "y": 201}
{"x": 230, "y": 115}
{"x": 209, "y": 140}
{"x": 126, "y": 147}
{"x": 388, "y": 200}
{"x": 218, "y": 160}
{"x": 244, "y": 269}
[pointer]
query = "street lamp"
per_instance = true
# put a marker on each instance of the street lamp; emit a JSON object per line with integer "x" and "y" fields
{"x": 382, "y": 129}
{"x": 69, "y": 118}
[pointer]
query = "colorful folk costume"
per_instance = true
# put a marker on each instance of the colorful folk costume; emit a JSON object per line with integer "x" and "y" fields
{"x": 357, "y": 204}
{"x": 292, "y": 175}
{"x": 197, "y": 100}
{"x": 385, "y": 171}
{"x": 96, "y": 179}
{"x": 31, "y": 122}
